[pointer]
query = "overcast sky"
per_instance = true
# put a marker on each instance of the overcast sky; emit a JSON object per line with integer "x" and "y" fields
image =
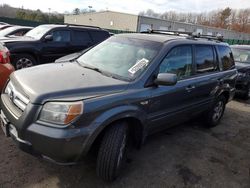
{"x": 129, "y": 6}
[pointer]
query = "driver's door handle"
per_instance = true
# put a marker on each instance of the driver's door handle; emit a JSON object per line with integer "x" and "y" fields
{"x": 190, "y": 88}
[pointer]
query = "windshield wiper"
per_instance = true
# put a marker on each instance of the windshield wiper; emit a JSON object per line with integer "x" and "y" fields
{"x": 88, "y": 67}
{"x": 108, "y": 74}
{"x": 118, "y": 77}
{"x": 92, "y": 68}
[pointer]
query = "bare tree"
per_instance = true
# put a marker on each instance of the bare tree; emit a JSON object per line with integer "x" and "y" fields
{"x": 227, "y": 18}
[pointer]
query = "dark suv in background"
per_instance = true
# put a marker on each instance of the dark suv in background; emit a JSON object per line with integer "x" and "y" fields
{"x": 118, "y": 92}
{"x": 46, "y": 43}
{"x": 242, "y": 59}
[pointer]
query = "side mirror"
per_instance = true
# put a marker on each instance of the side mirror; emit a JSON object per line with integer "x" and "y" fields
{"x": 166, "y": 79}
{"x": 48, "y": 38}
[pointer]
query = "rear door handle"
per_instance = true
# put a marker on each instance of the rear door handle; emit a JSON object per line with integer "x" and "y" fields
{"x": 190, "y": 88}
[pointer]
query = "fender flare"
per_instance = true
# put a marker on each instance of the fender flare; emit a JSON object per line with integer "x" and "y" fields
{"x": 111, "y": 116}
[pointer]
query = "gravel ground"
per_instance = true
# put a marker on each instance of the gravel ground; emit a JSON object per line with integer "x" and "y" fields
{"x": 184, "y": 156}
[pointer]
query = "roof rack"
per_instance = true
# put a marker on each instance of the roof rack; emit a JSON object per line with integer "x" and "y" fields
{"x": 83, "y": 26}
{"x": 218, "y": 37}
{"x": 190, "y": 35}
{"x": 167, "y": 32}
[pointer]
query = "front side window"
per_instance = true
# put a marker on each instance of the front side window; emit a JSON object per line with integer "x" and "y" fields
{"x": 226, "y": 57}
{"x": 178, "y": 61}
{"x": 204, "y": 58}
{"x": 61, "y": 36}
{"x": 122, "y": 57}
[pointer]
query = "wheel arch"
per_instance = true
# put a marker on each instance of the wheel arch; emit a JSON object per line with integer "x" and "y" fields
{"x": 226, "y": 94}
{"x": 136, "y": 124}
{"x": 28, "y": 52}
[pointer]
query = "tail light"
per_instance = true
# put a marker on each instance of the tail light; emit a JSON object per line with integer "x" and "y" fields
{"x": 4, "y": 55}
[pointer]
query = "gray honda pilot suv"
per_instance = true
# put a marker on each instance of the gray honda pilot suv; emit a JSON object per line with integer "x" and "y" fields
{"x": 116, "y": 93}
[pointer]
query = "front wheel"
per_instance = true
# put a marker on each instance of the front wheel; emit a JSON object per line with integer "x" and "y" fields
{"x": 215, "y": 114}
{"x": 111, "y": 155}
{"x": 24, "y": 61}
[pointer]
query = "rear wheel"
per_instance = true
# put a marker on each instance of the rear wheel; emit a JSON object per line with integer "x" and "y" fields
{"x": 215, "y": 114}
{"x": 111, "y": 155}
{"x": 24, "y": 61}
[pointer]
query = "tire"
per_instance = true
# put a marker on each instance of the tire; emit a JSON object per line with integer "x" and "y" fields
{"x": 246, "y": 94}
{"x": 214, "y": 115}
{"x": 24, "y": 61}
{"x": 111, "y": 155}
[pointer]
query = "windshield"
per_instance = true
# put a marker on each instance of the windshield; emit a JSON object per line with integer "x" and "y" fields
{"x": 241, "y": 55}
{"x": 7, "y": 31}
{"x": 124, "y": 57}
{"x": 38, "y": 32}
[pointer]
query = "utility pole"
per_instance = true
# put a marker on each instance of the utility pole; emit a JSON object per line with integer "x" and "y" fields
{"x": 49, "y": 14}
{"x": 90, "y": 7}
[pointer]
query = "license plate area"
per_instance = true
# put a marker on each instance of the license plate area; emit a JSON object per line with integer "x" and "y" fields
{"x": 4, "y": 124}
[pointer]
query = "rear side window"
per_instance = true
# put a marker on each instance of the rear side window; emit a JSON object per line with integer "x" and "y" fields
{"x": 226, "y": 57}
{"x": 178, "y": 61}
{"x": 204, "y": 58}
{"x": 81, "y": 38}
{"x": 99, "y": 36}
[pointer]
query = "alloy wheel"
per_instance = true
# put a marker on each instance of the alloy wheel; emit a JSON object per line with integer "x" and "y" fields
{"x": 218, "y": 111}
{"x": 23, "y": 63}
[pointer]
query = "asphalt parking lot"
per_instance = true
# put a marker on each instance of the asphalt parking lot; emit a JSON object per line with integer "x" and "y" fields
{"x": 184, "y": 156}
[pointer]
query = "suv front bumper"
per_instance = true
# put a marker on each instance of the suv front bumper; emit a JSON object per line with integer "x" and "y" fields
{"x": 60, "y": 145}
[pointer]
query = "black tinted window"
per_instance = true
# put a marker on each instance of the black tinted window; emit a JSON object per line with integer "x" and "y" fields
{"x": 204, "y": 58}
{"x": 81, "y": 38}
{"x": 61, "y": 36}
{"x": 99, "y": 36}
{"x": 178, "y": 61}
{"x": 226, "y": 57}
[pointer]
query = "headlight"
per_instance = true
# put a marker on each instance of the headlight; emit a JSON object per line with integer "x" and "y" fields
{"x": 61, "y": 112}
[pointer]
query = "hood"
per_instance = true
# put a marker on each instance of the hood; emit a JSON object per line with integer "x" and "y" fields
{"x": 4, "y": 38}
{"x": 17, "y": 39}
{"x": 64, "y": 81}
{"x": 242, "y": 66}
{"x": 9, "y": 37}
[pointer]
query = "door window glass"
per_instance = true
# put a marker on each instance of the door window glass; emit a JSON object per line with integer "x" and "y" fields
{"x": 61, "y": 36}
{"x": 204, "y": 58}
{"x": 178, "y": 61}
{"x": 81, "y": 38}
